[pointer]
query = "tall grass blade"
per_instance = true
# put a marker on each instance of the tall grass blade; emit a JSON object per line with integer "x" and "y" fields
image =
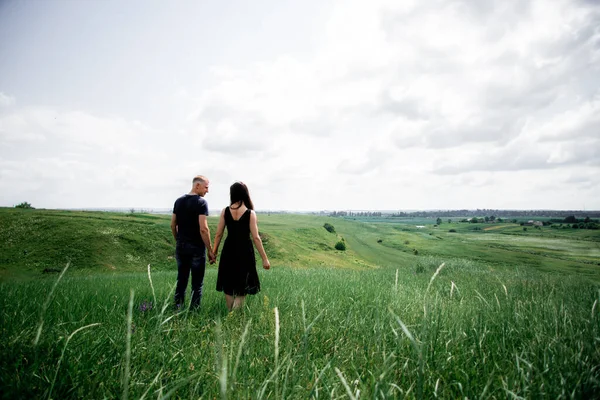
{"x": 346, "y": 386}
{"x": 240, "y": 348}
{"x": 309, "y": 327}
{"x": 407, "y": 333}
{"x": 435, "y": 274}
{"x": 165, "y": 305}
{"x": 419, "y": 353}
{"x": 152, "y": 286}
{"x": 315, "y": 386}
{"x": 62, "y": 354}
{"x": 177, "y": 387}
{"x": 46, "y": 303}
{"x": 276, "y": 335}
{"x": 220, "y": 360}
{"x": 482, "y": 298}
{"x": 486, "y": 388}
{"x": 168, "y": 319}
{"x": 151, "y": 384}
{"x": 513, "y": 395}
{"x": 303, "y": 315}
{"x": 263, "y": 389}
{"x": 276, "y": 347}
{"x": 285, "y": 379}
{"x": 128, "y": 347}
{"x": 223, "y": 377}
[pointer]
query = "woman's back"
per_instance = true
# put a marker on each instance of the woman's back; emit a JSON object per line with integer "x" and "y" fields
{"x": 238, "y": 223}
{"x": 238, "y": 212}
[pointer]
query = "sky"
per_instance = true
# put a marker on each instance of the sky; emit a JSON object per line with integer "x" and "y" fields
{"x": 315, "y": 105}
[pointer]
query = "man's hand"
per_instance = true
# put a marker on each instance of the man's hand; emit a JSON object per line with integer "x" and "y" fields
{"x": 212, "y": 258}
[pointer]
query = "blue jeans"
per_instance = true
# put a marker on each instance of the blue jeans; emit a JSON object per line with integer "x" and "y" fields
{"x": 190, "y": 258}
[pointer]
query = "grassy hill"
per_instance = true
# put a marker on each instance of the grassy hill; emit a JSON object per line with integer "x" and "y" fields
{"x": 42, "y": 241}
{"x": 35, "y": 242}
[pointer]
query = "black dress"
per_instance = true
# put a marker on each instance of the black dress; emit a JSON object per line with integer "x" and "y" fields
{"x": 237, "y": 268}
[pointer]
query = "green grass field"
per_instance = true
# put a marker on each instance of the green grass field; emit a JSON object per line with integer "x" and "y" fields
{"x": 512, "y": 314}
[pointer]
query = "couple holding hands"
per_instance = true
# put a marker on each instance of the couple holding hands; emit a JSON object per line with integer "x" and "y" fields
{"x": 237, "y": 274}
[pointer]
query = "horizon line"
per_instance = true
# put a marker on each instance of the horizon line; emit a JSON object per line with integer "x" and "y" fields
{"x": 407, "y": 210}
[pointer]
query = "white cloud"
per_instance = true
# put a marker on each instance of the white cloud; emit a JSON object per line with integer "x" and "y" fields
{"x": 429, "y": 104}
{"x": 6, "y": 100}
{"x": 580, "y": 122}
{"x": 77, "y": 159}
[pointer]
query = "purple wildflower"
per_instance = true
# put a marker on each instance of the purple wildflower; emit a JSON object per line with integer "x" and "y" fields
{"x": 146, "y": 306}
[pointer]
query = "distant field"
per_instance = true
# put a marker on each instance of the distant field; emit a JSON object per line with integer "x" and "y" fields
{"x": 512, "y": 314}
{"x": 496, "y": 227}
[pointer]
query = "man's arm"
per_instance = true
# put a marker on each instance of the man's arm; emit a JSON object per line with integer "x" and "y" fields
{"x": 174, "y": 226}
{"x": 205, "y": 234}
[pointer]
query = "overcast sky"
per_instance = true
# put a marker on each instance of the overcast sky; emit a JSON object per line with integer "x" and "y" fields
{"x": 435, "y": 104}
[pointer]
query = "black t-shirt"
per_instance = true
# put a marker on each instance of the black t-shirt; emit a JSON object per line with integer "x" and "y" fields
{"x": 187, "y": 208}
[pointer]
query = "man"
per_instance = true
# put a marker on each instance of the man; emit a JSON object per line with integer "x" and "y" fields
{"x": 190, "y": 230}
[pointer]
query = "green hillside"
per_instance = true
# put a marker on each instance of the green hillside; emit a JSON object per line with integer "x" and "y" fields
{"x": 34, "y": 241}
{"x": 37, "y": 242}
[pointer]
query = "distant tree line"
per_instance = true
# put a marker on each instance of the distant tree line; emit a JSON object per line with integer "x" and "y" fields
{"x": 491, "y": 218}
{"x": 579, "y": 214}
{"x": 497, "y": 213}
{"x": 571, "y": 222}
{"x": 491, "y": 214}
{"x": 557, "y": 223}
{"x": 355, "y": 214}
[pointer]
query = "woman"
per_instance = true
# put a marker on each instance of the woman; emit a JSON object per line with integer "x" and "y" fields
{"x": 237, "y": 267}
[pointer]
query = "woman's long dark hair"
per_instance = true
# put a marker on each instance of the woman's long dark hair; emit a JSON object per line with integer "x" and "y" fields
{"x": 239, "y": 192}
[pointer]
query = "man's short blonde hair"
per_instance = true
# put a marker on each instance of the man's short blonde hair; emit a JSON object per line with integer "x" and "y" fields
{"x": 199, "y": 179}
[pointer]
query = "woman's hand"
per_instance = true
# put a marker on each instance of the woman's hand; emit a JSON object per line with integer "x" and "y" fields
{"x": 266, "y": 264}
{"x": 212, "y": 257}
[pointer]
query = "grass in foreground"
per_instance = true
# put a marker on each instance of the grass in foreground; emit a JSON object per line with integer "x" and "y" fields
{"x": 320, "y": 333}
